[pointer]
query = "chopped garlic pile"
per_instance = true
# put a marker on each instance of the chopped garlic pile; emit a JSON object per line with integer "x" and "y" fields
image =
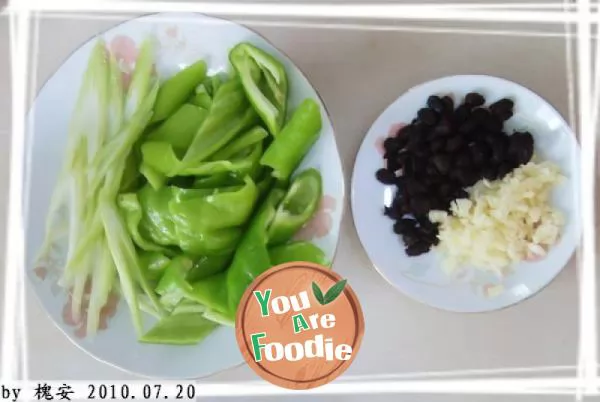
{"x": 503, "y": 222}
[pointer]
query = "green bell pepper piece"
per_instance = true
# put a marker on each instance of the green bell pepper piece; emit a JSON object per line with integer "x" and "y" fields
{"x": 214, "y": 209}
{"x": 211, "y": 292}
{"x": 250, "y": 257}
{"x": 268, "y": 90}
{"x": 179, "y": 129}
{"x": 229, "y": 115}
{"x": 153, "y": 264}
{"x": 174, "y": 91}
{"x": 154, "y": 178}
{"x": 208, "y": 265}
{"x": 298, "y": 251}
{"x": 180, "y": 329}
{"x": 202, "y": 100}
{"x": 209, "y": 222}
{"x": 131, "y": 175}
{"x": 280, "y": 219}
{"x": 202, "y": 222}
{"x": 159, "y": 158}
{"x": 298, "y": 206}
{"x": 295, "y": 140}
{"x": 186, "y": 306}
{"x": 173, "y": 286}
{"x": 216, "y": 180}
{"x": 223, "y": 292}
{"x": 157, "y": 221}
{"x": 131, "y": 209}
{"x": 244, "y": 141}
{"x": 212, "y": 83}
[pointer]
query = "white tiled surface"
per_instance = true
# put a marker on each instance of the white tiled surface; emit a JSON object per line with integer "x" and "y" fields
{"x": 358, "y": 74}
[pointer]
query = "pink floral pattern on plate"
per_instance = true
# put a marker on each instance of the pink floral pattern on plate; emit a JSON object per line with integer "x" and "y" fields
{"x": 320, "y": 225}
{"x": 126, "y": 52}
{"x": 108, "y": 311}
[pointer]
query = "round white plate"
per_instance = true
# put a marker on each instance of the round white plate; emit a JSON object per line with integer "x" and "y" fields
{"x": 183, "y": 38}
{"x": 421, "y": 277}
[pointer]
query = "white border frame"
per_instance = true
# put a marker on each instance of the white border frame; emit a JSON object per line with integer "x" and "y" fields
{"x": 584, "y": 14}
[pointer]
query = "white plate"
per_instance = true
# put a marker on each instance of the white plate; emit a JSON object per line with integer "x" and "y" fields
{"x": 421, "y": 277}
{"x": 184, "y": 38}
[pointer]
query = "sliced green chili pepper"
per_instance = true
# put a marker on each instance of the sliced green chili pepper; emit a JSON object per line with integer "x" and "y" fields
{"x": 174, "y": 91}
{"x": 180, "y": 329}
{"x": 267, "y": 91}
{"x": 229, "y": 115}
{"x": 298, "y": 251}
{"x": 179, "y": 129}
{"x": 299, "y": 204}
{"x": 295, "y": 140}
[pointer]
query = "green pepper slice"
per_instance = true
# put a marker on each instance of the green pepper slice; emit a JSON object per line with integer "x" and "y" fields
{"x": 175, "y": 90}
{"x": 173, "y": 287}
{"x": 288, "y": 149}
{"x": 229, "y": 115}
{"x": 179, "y": 129}
{"x": 222, "y": 292}
{"x": 180, "y": 329}
{"x": 268, "y": 90}
{"x": 298, "y": 206}
{"x": 298, "y": 251}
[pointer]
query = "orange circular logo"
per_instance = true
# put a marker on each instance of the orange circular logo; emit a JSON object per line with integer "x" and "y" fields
{"x": 299, "y": 325}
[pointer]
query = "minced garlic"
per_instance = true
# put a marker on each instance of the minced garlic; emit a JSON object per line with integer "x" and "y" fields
{"x": 503, "y": 222}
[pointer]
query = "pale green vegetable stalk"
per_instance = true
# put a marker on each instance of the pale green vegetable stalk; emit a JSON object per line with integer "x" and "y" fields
{"x": 138, "y": 112}
{"x": 87, "y": 115}
{"x": 146, "y": 306}
{"x": 90, "y": 122}
{"x": 104, "y": 273}
{"x": 124, "y": 258}
{"x": 120, "y": 146}
{"x": 116, "y": 98}
{"x": 140, "y": 83}
{"x": 103, "y": 279}
{"x": 113, "y": 175}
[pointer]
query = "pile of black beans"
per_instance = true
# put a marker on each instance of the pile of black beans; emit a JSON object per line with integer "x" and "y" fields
{"x": 445, "y": 150}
